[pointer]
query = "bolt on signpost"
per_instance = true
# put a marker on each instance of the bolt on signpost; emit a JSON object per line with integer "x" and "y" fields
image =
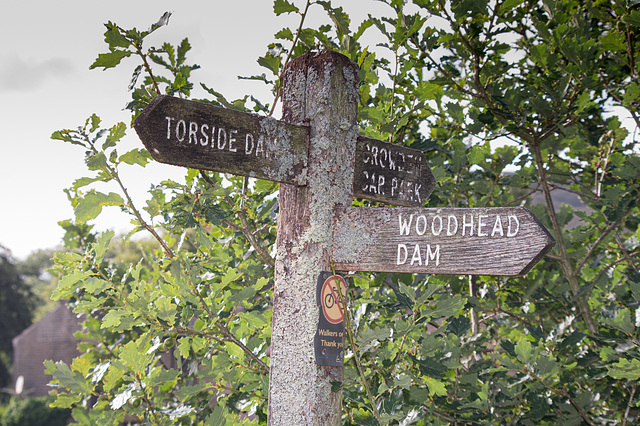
{"x": 321, "y": 163}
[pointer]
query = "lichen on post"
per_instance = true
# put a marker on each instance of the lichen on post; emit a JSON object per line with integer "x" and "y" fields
{"x": 320, "y": 89}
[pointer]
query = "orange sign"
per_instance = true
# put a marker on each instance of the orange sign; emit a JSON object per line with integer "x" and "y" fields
{"x": 331, "y": 300}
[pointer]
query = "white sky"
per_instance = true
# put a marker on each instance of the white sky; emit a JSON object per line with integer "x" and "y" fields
{"x": 46, "y": 85}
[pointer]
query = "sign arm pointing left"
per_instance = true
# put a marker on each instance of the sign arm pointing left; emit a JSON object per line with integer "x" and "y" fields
{"x": 203, "y": 136}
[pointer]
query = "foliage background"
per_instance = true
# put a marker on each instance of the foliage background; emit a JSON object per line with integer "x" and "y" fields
{"x": 533, "y": 88}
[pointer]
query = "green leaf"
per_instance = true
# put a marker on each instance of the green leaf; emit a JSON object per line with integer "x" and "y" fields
{"x": 338, "y": 16}
{"x": 198, "y": 325}
{"x": 162, "y": 376}
{"x": 65, "y": 135}
{"x": 97, "y": 162}
{"x": 272, "y": 63}
{"x": 621, "y": 321}
{"x": 68, "y": 378}
{"x": 182, "y": 51}
{"x": 230, "y": 276}
{"x": 430, "y": 367}
{"x": 459, "y": 325}
{"x": 446, "y": 306}
{"x": 102, "y": 244}
{"x": 632, "y": 19}
{"x": 187, "y": 392}
{"x": 95, "y": 285}
{"x": 234, "y": 350}
{"x": 84, "y": 181}
{"x": 632, "y": 93}
{"x": 184, "y": 346}
{"x": 254, "y": 321}
{"x": 371, "y": 334}
{"x": 439, "y": 173}
{"x": 284, "y": 34}
{"x": 477, "y": 155}
{"x": 509, "y": 5}
{"x": 409, "y": 291}
{"x": 625, "y": 369}
{"x": 242, "y": 296}
{"x": 112, "y": 319}
{"x": 110, "y": 60}
{"x": 427, "y": 91}
{"x": 137, "y": 156}
{"x": 115, "y": 134}
{"x": 90, "y": 206}
{"x": 66, "y": 400}
{"x": 217, "y": 416}
{"x": 546, "y": 366}
{"x": 165, "y": 310}
{"x": 136, "y": 359}
{"x": 572, "y": 340}
{"x": 112, "y": 378}
{"x": 95, "y": 122}
{"x": 283, "y": 6}
{"x": 524, "y": 351}
{"x": 403, "y": 381}
{"x": 67, "y": 285}
{"x": 613, "y": 42}
{"x": 114, "y": 38}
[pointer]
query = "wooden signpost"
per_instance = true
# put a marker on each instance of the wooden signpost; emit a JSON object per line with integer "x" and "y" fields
{"x": 500, "y": 241}
{"x": 322, "y": 163}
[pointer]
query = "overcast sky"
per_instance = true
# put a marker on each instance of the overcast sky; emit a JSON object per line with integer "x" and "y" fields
{"x": 46, "y": 85}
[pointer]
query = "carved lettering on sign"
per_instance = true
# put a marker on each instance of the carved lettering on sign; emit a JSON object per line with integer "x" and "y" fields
{"x": 200, "y": 135}
{"x": 220, "y": 138}
{"x": 474, "y": 241}
{"x": 391, "y": 173}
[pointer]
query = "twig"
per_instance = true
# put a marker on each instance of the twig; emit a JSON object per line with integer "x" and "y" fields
{"x": 114, "y": 173}
{"x": 147, "y": 401}
{"x": 565, "y": 262}
{"x": 626, "y": 412}
{"x": 147, "y": 67}
{"x": 573, "y": 191}
{"x": 246, "y": 231}
{"x": 286, "y": 61}
{"x": 625, "y": 252}
{"x": 228, "y": 335}
{"x": 562, "y": 391}
{"x": 604, "y": 271}
{"x": 604, "y": 234}
{"x": 354, "y": 349}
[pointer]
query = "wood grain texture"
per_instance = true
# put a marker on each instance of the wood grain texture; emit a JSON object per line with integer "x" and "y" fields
{"x": 319, "y": 89}
{"x": 391, "y": 174}
{"x": 203, "y": 136}
{"x": 500, "y": 241}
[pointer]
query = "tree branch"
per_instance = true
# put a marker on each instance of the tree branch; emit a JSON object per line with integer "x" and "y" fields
{"x": 565, "y": 263}
{"x": 630, "y": 403}
{"x": 246, "y": 231}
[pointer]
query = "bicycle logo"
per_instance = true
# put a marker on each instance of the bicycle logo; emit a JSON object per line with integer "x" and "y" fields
{"x": 331, "y": 300}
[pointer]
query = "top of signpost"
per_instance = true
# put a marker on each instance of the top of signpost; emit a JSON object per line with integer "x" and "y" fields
{"x": 203, "y": 136}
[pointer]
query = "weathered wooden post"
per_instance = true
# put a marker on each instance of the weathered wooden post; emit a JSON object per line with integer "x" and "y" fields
{"x": 319, "y": 90}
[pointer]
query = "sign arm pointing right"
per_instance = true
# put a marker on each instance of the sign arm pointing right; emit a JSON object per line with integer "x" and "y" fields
{"x": 501, "y": 241}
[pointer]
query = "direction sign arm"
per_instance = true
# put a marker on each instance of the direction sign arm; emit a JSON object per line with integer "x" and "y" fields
{"x": 499, "y": 241}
